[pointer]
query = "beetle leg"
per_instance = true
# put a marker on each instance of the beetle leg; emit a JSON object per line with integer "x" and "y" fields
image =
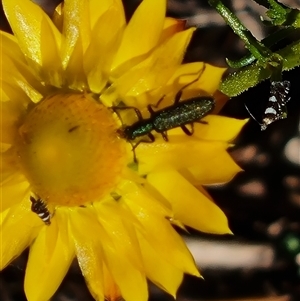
{"x": 178, "y": 96}
{"x": 137, "y": 111}
{"x": 152, "y": 139}
{"x": 201, "y": 121}
{"x": 151, "y": 106}
{"x": 133, "y": 150}
{"x": 179, "y": 93}
{"x": 150, "y": 110}
{"x": 187, "y": 131}
{"x": 165, "y": 136}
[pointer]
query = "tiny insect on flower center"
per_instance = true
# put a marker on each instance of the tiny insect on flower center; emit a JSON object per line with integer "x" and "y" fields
{"x": 69, "y": 149}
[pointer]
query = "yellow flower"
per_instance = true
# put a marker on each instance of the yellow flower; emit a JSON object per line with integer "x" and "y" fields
{"x": 62, "y": 156}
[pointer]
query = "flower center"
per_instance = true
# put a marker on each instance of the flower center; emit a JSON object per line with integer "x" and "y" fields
{"x": 69, "y": 150}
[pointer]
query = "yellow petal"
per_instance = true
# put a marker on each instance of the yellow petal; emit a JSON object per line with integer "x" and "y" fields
{"x": 18, "y": 230}
{"x": 13, "y": 92}
{"x": 9, "y": 164}
{"x": 49, "y": 259}
{"x": 211, "y": 78}
{"x": 162, "y": 273}
{"x": 163, "y": 238}
{"x": 186, "y": 73}
{"x": 187, "y": 79}
{"x": 97, "y": 8}
{"x": 112, "y": 218}
{"x": 189, "y": 205}
{"x": 10, "y": 47}
{"x": 16, "y": 74}
{"x": 37, "y": 36}
{"x": 159, "y": 67}
{"x": 208, "y": 79}
{"x": 120, "y": 251}
{"x": 148, "y": 18}
{"x": 10, "y": 116}
{"x": 219, "y": 128}
{"x": 171, "y": 26}
{"x": 205, "y": 172}
{"x": 74, "y": 72}
{"x": 13, "y": 190}
{"x": 76, "y": 25}
{"x": 26, "y": 88}
{"x": 51, "y": 60}
{"x": 88, "y": 249}
{"x": 131, "y": 281}
{"x": 150, "y": 74}
{"x": 106, "y": 36}
{"x": 112, "y": 291}
{"x": 57, "y": 16}
{"x": 179, "y": 152}
{"x": 130, "y": 190}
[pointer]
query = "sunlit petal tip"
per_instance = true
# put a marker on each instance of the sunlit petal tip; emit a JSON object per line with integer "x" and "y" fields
{"x": 171, "y": 26}
{"x": 149, "y": 17}
{"x": 210, "y": 79}
{"x": 220, "y": 128}
{"x": 174, "y": 23}
{"x": 30, "y": 31}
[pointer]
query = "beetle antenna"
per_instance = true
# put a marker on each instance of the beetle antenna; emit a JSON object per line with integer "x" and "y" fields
{"x": 252, "y": 115}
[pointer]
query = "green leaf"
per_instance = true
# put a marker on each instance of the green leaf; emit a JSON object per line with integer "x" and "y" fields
{"x": 245, "y": 78}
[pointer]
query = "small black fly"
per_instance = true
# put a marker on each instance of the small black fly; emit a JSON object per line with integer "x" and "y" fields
{"x": 276, "y": 107}
{"x": 179, "y": 114}
{"x": 39, "y": 207}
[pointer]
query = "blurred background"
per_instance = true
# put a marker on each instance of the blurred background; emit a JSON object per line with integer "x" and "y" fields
{"x": 261, "y": 262}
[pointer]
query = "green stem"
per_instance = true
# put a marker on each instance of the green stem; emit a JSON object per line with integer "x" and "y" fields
{"x": 269, "y": 41}
{"x": 245, "y": 78}
{"x": 258, "y": 50}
